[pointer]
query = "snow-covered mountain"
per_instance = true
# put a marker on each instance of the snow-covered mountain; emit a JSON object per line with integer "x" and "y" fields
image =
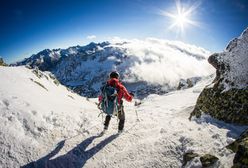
{"x": 146, "y": 66}
{"x": 47, "y": 59}
{"x": 43, "y": 124}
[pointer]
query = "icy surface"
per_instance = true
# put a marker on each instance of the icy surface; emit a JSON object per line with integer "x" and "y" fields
{"x": 51, "y": 126}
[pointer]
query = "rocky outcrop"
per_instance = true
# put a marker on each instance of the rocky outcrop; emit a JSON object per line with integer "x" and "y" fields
{"x": 240, "y": 147}
{"x": 230, "y": 106}
{"x": 2, "y": 63}
{"x": 206, "y": 161}
{"x": 187, "y": 157}
{"x": 227, "y": 98}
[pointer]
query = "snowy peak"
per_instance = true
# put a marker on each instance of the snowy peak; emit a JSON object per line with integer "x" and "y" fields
{"x": 236, "y": 41}
{"x": 46, "y": 60}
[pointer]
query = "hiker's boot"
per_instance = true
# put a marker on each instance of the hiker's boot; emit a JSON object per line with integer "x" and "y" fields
{"x": 105, "y": 128}
{"x": 120, "y": 131}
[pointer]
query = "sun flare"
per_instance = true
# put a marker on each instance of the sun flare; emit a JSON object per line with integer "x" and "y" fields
{"x": 182, "y": 17}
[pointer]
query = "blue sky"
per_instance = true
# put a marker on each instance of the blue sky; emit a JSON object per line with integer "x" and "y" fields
{"x": 29, "y": 26}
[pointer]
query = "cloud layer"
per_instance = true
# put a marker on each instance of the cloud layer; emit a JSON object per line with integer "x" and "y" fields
{"x": 160, "y": 61}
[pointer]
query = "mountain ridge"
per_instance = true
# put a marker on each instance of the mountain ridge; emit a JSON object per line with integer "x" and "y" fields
{"x": 84, "y": 68}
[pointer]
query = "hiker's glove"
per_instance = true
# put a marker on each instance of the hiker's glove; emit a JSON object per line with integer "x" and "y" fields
{"x": 132, "y": 94}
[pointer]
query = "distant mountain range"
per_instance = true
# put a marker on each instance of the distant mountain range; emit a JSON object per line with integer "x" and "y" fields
{"x": 148, "y": 66}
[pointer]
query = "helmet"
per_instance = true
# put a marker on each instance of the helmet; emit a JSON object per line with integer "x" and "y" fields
{"x": 114, "y": 74}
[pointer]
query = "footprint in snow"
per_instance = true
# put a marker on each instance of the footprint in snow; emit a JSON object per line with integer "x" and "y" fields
{"x": 27, "y": 104}
{"x": 163, "y": 131}
{"x": 6, "y": 102}
{"x": 34, "y": 112}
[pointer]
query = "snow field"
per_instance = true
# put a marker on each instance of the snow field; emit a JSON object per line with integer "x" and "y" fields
{"x": 51, "y": 127}
{"x": 32, "y": 118}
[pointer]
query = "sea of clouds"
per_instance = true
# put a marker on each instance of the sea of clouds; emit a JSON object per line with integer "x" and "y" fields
{"x": 158, "y": 61}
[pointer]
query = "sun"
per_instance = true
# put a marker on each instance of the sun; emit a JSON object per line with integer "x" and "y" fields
{"x": 182, "y": 17}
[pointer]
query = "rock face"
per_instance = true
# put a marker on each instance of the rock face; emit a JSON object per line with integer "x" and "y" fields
{"x": 209, "y": 161}
{"x": 240, "y": 146}
{"x": 227, "y": 98}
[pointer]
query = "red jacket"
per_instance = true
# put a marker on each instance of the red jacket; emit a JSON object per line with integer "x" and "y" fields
{"x": 121, "y": 90}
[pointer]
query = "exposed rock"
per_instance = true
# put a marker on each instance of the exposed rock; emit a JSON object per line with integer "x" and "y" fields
{"x": 206, "y": 161}
{"x": 227, "y": 98}
{"x": 241, "y": 157}
{"x": 209, "y": 161}
{"x": 2, "y": 63}
{"x": 188, "y": 157}
{"x": 41, "y": 74}
{"x": 240, "y": 146}
{"x": 230, "y": 106}
{"x": 188, "y": 83}
{"x": 234, "y": 145}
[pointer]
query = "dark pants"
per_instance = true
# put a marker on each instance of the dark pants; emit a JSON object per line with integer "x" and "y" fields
{"x": 120, "y": 115}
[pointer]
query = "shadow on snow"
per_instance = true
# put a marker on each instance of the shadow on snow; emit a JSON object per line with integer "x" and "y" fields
{"x": 75, "y": 158}
{"x": 233, "y": 130}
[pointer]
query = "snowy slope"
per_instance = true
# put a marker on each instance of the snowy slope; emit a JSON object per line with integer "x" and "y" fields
{"x": 147, "y": 66}
{"x": 33, "y": 117}
{"x": 48, "y": 128}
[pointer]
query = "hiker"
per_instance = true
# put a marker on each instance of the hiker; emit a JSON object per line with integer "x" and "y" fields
{"x": 119, "y": 91}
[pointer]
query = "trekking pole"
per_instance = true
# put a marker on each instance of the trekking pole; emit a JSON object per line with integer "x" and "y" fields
{"x": 137, "y": 104}
{"x": 101, "y": 113}
{"x": 138, "y": 120}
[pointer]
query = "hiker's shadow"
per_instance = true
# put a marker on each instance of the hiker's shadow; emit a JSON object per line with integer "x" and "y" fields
{"x": 75, "y": 158}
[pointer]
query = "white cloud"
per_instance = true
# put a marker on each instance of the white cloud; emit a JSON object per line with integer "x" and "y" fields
{"x": 160, "y": 61}
{"x": 91, "y": 37}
